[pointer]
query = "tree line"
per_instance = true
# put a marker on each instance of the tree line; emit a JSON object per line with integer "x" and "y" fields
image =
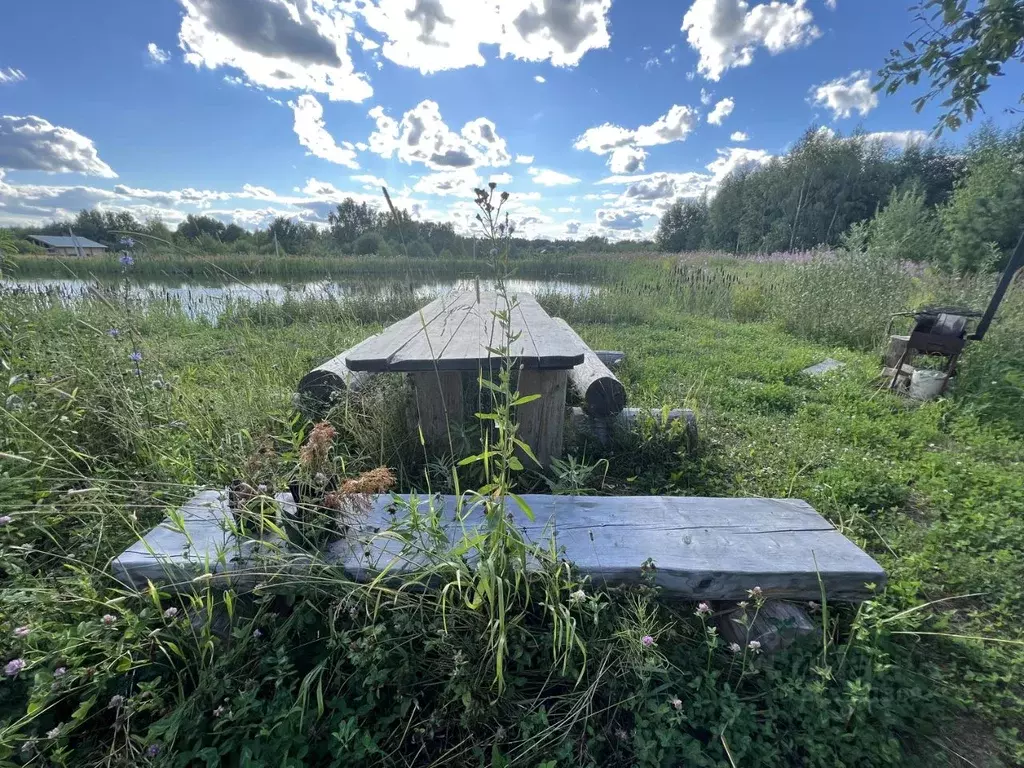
{"x": 962, "y": 209}
{"x": 352, "y": 229}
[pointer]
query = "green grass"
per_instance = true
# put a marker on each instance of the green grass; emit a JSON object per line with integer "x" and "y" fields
{"x": 352, "y": 674}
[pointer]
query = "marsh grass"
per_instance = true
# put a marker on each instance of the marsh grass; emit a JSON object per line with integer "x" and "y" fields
{"x": 476, "y": 659}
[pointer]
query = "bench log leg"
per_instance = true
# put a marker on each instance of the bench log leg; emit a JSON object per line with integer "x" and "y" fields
{"x": 542, "y": 422}
{"x": 438, "y": 406}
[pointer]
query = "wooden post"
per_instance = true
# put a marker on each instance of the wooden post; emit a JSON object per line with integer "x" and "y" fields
{"x": 542, "y": 422}
{"x": 438, "y": 406}
{"x": 602, "y": 392}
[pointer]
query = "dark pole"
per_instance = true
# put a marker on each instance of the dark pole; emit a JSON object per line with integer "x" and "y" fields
{"x": 1016, "y": 262}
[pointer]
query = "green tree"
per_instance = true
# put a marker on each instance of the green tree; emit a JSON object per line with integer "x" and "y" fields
{"x": 193, "y": 227}
{"x": 906, "y": 229}
{"x": 959, "y": 45}
{"x": 350, "y": 220}
{"x": 986, "y": 212}
{"x": 683, "y": 226}
{"x": 368, "y": 244}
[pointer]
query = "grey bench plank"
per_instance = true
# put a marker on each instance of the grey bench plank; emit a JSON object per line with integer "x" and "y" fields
{"x": 706, "y": 548}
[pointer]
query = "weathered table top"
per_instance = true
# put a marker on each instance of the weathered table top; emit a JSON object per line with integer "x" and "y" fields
{"x": 456, "y": 333}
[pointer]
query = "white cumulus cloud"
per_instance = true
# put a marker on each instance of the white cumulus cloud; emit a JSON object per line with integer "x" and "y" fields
{"x": 157, "y": 54}
{"x": 275, "y": 44}
{"x": 549, "y": 178}
{"x": 674, "y": 125}
{"x": 422, "y": 136}
{"x": 540, "y": 79}
{"x": 312, "y": 132}
{"x": 627, "y": 160}
{"x": 726, "y": 33}
{"x": 738, "y": 136}
{"x": 31, "y": 143}
{"x": 436, "y": 35}
{"x": 846, "y": 95}
{"x": 524, "y": 159}
{"x": 721, "y": 111}
{"x": 900, "y": 139}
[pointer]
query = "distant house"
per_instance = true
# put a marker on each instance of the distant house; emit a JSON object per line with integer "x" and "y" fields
{"x": 68, "y": 246}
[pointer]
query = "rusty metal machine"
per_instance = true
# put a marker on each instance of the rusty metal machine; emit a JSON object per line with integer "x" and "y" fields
{"x": 943, "y": 331}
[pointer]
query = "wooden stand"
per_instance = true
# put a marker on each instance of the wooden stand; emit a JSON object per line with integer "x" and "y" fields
{"x": 438, "y": 406}
{"x": 542, "y": 422}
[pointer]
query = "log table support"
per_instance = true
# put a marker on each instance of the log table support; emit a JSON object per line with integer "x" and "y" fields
{"x": 438, "y": 406}
{"x": 542, "y": 422}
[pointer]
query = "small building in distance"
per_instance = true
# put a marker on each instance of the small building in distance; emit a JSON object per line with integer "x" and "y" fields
{"x": 68, "y": 246}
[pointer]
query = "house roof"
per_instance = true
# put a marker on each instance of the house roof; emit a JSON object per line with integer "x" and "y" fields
{"x": 66, "y": 242}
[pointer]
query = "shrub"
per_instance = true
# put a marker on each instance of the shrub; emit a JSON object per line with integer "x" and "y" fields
{"x": 368, "y": 244}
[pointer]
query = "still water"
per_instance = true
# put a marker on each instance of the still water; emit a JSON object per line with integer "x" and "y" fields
{"x": 209, "y": 300}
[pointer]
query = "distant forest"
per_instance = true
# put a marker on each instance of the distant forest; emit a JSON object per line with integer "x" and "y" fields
{"x": 352, "y": 228}
{"x": 959, "y": 208}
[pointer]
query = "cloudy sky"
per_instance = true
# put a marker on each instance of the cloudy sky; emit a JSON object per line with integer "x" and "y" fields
{"x": 594, "y": 114}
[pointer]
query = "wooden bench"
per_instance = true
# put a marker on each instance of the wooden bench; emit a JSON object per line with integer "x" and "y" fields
{"x": 703, "y": 548}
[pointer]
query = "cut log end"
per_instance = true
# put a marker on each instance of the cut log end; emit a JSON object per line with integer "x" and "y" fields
{"x": 602, "y": 392}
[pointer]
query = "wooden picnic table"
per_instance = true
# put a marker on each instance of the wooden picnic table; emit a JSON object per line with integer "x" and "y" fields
{"x": 459, "y": 333}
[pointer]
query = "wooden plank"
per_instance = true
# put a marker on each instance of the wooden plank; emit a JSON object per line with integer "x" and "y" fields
{"x": 602, "y": 392}
{"x": 555, "y": 348}
{"x": 452, "y": 342}
{"x": 438, "y": 406}
{"x": 542, "y": 422}
{"x": 703, "y": 548}
{"x": 375, "y": 353}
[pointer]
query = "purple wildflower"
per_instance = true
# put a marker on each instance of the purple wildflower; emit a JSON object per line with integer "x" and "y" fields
{"x": 703, "y": 609}
{"x": 257, "y": 633}
{"x": 128, "y": 242}
{"x": 5, "y": 520}
{"x": 152, "y": 750}
{"x": 647, "y": 640}
{"x": 114, "y": 333}
{"x": 108, "y": 619}
{"x": 126, "y": 260}
{"x": 22, "y": 631}
{"x": 60, "y": 671}
{"x": 14, "y": 666}
{"x": 136, "y": 357}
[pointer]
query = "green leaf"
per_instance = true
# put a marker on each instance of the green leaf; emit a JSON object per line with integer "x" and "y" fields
{"x": 83, "y": 709}
{"x": 527, "y": 450}
{"x": 526, "y": 399}
{"x": 521, "y": 503}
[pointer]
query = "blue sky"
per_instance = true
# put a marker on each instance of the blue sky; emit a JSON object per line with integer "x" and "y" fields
{"x": 594, "y": 114}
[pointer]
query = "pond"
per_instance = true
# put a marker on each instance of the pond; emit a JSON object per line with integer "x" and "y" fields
{"x": 209, "y": 300}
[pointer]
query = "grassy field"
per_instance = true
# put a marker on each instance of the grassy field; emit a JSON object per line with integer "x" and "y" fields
{"x": 95, "y": 447}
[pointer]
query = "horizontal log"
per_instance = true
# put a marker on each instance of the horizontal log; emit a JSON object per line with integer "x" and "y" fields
{"x": 324, "y": 384}
{"x": 611, "y": 358}
{"x": 594, "y": 381}
{"x": 774, "y": 626}
{"x": 604, "y": 428}
{"x": 704, "y": 548}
